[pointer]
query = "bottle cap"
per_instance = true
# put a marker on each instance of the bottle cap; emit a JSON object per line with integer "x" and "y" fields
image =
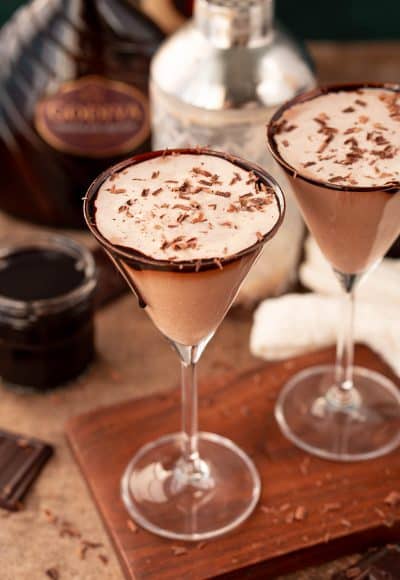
{"x": 228, "y": 23}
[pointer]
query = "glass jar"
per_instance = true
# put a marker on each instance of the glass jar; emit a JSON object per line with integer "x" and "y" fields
{"x": 47, "y": 286}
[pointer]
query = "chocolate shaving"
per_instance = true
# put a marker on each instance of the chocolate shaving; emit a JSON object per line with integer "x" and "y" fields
{"x": 252, "y": 178}
{"x": 392, "y": 499}
{"x": 236, "y": 177}
{"x": 185, "y": 186}
{"x": 215, "y": 179}
{"x": 350, "y": 130}
{"x": 380, "y": 127}
{"x": 381, "y": 140}
{"x": 329, "y": 133}
{"x": 179, "y": 550}
{"x": 116, "y": 190}
{"x": 182, "y": 217}
{"x": 200, "y": 171}
{"x": 300, "y": 513}
{"x": 321, "y": 121}
{"x": 182, "y": 207}
{"x": 351, "y": 141}
{"x": 348, "y": 110}
{"x": 223, "y": 193}
{"x": 200, "y": 218}
{"x": 388, "y": 152}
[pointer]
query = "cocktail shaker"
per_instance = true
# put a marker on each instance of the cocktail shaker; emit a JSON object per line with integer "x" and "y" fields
{"x": 216, "y": 82}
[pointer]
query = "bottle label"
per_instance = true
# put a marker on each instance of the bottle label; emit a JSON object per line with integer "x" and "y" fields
{"x": 94, "y": 117}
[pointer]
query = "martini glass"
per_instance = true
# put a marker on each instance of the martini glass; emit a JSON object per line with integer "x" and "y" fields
{"x": 342, "y": 412}
{"x": 189, "y": 485}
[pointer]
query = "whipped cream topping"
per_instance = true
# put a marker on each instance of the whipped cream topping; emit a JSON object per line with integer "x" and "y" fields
{"x": 180, "y": 207}
{"x": 345, "y": 138}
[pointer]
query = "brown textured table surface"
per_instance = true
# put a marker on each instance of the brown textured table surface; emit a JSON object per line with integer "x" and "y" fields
{"x": 133, "y": 360}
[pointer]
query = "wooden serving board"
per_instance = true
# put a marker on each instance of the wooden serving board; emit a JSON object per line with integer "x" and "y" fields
{"x": 344, "y": 503}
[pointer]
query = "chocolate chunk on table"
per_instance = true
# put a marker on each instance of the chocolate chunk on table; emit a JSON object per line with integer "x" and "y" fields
{"x": 382, "y": 564}
{"x": 21, "y": 459}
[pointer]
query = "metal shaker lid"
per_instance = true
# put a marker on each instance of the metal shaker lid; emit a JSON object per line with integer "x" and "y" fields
{"x": 231, "y": 57}
{"x": 228, "y": 23}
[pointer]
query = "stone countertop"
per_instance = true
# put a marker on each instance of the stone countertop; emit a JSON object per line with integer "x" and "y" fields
{"x": 30, "y": 543}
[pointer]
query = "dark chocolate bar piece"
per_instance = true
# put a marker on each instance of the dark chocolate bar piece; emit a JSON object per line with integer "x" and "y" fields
{"x": 378, "y": 564}
{"x": 21, "y": 459}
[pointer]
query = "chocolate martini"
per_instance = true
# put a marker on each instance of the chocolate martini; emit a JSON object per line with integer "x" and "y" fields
{"x": 340, "y": 147}
{"x": 198, "y": 210}
{"x": 349, "y": 142}
{"x": 184, "y": 228}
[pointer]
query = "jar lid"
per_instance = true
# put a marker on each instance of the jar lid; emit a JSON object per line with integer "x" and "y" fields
{"x": 228, "y": 23}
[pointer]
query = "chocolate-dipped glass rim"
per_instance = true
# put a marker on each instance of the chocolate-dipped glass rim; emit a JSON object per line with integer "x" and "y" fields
{"x": 142, "y": 261}
{"x": 391, "y": 188}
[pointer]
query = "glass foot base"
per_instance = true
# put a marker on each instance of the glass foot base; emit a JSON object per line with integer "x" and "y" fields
{"x": 365, "y": 427}
{"x": 171, "y": 501}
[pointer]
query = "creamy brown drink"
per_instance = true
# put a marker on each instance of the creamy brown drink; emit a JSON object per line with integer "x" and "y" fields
{"x": 185, "y": 228}
{"x": 341, "y": 148}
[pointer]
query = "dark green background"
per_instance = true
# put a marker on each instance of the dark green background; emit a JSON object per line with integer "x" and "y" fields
{"x": 316, "y": 19}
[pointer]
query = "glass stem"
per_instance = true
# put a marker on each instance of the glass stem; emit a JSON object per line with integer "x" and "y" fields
{"x": 189, "y": 412}
{"x": 345, "y": 349}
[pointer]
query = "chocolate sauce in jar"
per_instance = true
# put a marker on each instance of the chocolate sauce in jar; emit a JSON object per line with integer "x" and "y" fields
{"x": 46, "y": 312}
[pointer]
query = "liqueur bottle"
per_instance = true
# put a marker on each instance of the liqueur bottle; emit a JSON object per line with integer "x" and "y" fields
{"x": 216, "y": 82}
{"x": 73, "y": 100}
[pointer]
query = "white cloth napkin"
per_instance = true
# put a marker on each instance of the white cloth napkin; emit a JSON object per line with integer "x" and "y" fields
{"x": 297, "y": 323}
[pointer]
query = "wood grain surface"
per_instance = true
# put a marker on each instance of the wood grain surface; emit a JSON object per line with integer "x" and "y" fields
{"x": 311, "y": 510}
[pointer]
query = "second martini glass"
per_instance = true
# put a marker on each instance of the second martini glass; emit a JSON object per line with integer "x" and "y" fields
{"x": 339, "y": 411}
{"x": 189, "y": 485}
